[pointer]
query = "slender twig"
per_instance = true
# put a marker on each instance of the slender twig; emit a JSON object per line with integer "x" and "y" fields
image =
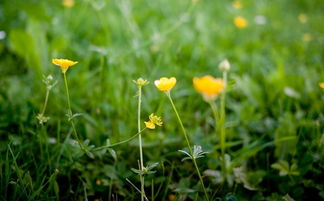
{"x": 46, "y": 100}
{"x": 222, "y": 125}
{"x": 70, "y": 114}
{"x": 140, "y": 140}
{"x": 136, "y": 188}
{"x": 188, "y": 143}
{"x": 119, "y": 143}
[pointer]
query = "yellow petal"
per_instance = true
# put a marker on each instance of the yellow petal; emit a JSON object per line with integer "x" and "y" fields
{"x": 208, "y": 86}
{"x": 240, "y": 22}
{"x": 237, "y": 4}
{"x": 68, "y": 3}
{"x": 149, "y": 124}
{"x": 64, "y": 63}
{"x": 321, "y": 84}
{"x": 165, "y": 84}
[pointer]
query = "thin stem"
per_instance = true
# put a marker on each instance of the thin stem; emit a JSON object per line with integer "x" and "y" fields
{"x": 215, "y": 113}
{"x": 188, "y": 143}
{"x": 222, "y": 125}
{"x": 70, "y": 114}
{"x": 136, "y": 188}
{"x": 46, "y": 100}
{"x": 119, "y": 143}
{"x": 140, "y": 140}
{"x": 217, "y": 119}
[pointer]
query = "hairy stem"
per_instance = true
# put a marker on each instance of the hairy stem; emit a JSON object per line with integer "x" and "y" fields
{"x": 140, "y": 140}
{"x": 46, "y": 100}
{"x": 70, "y": 114}
{"x": 188, "y": 144}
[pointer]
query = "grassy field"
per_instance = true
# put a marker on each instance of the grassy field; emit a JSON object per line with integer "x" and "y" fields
{"x": 266, "y": 141}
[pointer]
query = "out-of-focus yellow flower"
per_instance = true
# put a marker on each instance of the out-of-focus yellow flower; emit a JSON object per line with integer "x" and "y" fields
{"x": 237, "y": 4}
{"x": 68, "y": 3}
{"x": 307, "y": 37}
{"x": 172, "y": 197}
{"x": 321, "y": 84}
{"x": 302, "y": 18}
{"x": 240, "y": 22}
{"x": 98, "y": 182}
{"x": 165, "y": 84}
{"x": 64, "y": 63}
{"x": 154, "y": 120}
{"x": 208, "y": 86}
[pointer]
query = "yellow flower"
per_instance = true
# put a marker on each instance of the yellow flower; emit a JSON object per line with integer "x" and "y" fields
{"x": 98, "y": 182}
{"x": 149, "y": 125}
{"x": 321, "y": 84}
{"x": 165, "y": 84}
{"x": 240, "y": 22}
{"x": 68, "y": 3}
{"x": 172, "y": 197}
{"x": 64, "y": 63}
{"x": 307, "y": 37}
{"x": 208, "y": 86}
{"x": 154, "y": 120}
{"x": 237, "y": 4}
{"x": 302, "y": 18}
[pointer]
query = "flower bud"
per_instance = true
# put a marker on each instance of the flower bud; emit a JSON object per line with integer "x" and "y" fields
{"x": 224, "y": 65}
{"x": 140, "y": 82}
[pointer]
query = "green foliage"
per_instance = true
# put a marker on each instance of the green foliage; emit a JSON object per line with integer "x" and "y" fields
{"x": 274, "y": 105}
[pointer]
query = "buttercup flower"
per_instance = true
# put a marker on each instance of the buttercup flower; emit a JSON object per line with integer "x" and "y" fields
{"x": 240, "y": 22}
{"x": 321, "y": 84}
{"x": 208, "y": 86}
{"x": 302, "y": 18}
{"x": 237, "y": 4}
{"x": 154, "y": 120}
{"x": 64, "y": 63}
{"x": 149, "y": 125}
{"x": 165, "y": 84}
{"x": 68, "y": 3}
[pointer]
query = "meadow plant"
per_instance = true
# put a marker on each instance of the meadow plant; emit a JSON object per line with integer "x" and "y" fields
{"x": 211, "y": 88}
{"x": 50, "y": 83}
{"x": 165, "y": 85}
{"x": 140, "y": 82}
{"x": 65, "y": 64}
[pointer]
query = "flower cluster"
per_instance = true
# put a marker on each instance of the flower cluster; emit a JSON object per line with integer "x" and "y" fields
{"x": 153, "y": 120}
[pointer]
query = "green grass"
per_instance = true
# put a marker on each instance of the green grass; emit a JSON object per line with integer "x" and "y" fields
{"x": 274, "y": 105}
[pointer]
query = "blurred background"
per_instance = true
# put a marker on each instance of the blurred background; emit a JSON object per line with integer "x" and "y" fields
{"x": 274, "y": 105}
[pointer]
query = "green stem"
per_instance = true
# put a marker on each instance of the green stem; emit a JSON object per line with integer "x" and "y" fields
{"x": 119, "y": 143}
{"x": 215, "y": 113}
{"x": 216, "y": 117}
{"x": 222, "y": 125}
{"x": 188, "y": 144}
{"x": 140, "y": 141}
{"x": 70, "y": 113}
{"x": 46, "y": 100}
